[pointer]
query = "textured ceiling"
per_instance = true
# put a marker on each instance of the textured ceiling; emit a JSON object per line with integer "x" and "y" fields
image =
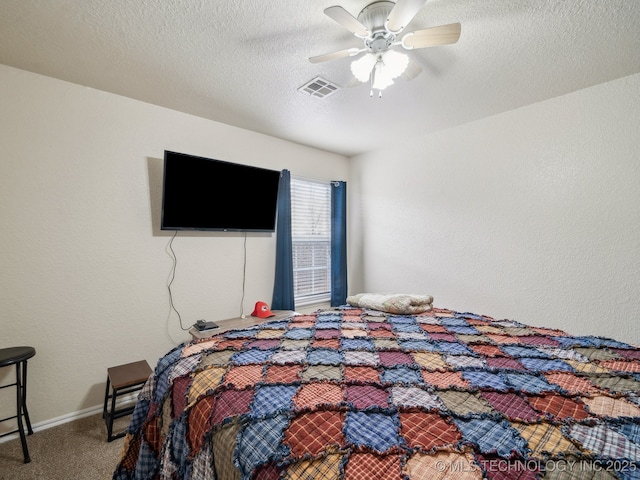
{"x": 242, "y": 62}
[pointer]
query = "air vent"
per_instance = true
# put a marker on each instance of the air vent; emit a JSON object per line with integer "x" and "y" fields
{"x": 319, "y": 87}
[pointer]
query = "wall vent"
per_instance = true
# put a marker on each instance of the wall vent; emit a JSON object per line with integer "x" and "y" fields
{"x": 319, "y": 87}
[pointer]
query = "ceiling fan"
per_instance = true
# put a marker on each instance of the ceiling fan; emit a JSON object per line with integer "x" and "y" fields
{"x": 379, "y": 25}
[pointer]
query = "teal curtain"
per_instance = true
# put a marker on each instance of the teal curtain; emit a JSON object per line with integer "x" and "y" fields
{"x": 338, "y": 243}
{"x": 283, "y": 298}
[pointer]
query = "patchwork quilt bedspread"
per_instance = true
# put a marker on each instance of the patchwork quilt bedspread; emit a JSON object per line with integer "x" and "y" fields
{"x": 358, "y": 394}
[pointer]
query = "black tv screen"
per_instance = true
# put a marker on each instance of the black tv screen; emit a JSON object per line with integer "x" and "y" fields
{"x": 207, "y": 194}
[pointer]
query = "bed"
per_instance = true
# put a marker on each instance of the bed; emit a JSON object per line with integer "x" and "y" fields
{"x": 352, "y": 393}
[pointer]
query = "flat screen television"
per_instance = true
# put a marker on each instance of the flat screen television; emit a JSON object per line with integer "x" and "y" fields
{"x": 206, "y": 194}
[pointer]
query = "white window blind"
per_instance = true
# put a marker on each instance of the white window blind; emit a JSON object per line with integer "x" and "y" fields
{"x": 311, "y": 238}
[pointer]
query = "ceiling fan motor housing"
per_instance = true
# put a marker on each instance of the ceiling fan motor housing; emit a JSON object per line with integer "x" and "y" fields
{"x": 374, "y": 17}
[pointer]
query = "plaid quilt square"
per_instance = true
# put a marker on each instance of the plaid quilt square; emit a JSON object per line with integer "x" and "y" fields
{"x": 407, "y": 327}
{"x": 571, "y": 383}
{"x": 366, "y": 396}
{"x": 264, "y": 344}
{"x": 511, "y": 406}
{"x": 545, "y": 440}
{"x": 615, "y": 384}
{"x": 223, "y": 442}
{"x": 324, "y": 356}
{"x": 486, "y": 350}
{"x": 443, "y": 337}
{"x": 492, "y": 436}
{"x": 218, "y": 358}
{"x": 199, "y": 421}
{"x": 393, "y": 358}
{"x": 179, "y": 395}
{"x": 605, "y": 442}
{"x": 464, "y": 361}
{"x": 361, "y": 358}
{"x": 558, "y": 407}
{"x": 283, "y": 373}
{"x": 381, "y": 334}
{"x": 444, "y": 380}
{"x": 357, "y": 344}
{"x": 361, "y": 374}
{"x": 415, "y": 397}
{"x": 260, "y": 442}
{"x": 298, "y": 333}
{"x": 453, "y": 347}
{"x": 288, "y": 356}
{"x": 243, "y": 376}
{"x": 454, "y": 321}
{"x": 290, "y": 344}
{"x": 332, "y": 343}
{"x": 502, "y": 339}
{"x": 496, "y": 468}
{"x": 480, "y": 379}
{"x": 417, "y": 345}
{"x": 605, "y": 406}
{"x": 464, "y": 403}
{"x": 376, "y": 431}
{"x": 630, "y": 430}
{"x": 382, "y": 344}
{"x": 430, "y": 328}
{"x": 254, "y": 355}
{"x": 322, "y": 372}
{"x": 401, "y": 375}
{"x": 528, "y": 383}
{"x": 539, "y": 340}
{"x": 353, "y": 333}
{"x": 204, "y": 382}
{"x": 630, "y": 354}
{"x": 503, "y": 363}
{"x": 369, "y": 466}
{"x": 327, "y": 333}
{"x": 316, "y": 394}
{"x": 544, "y": 365}
{"x": 518, "y": 351}
{"x": 379, "y": 326}
{"x": 463, "y": 330}
{"x": 629, "y": 366}
{"x": 428, "y": 431}
{"x": 327, "y": 467}
{"x": 230, "y": 403}
{"x": 267, "y": 471}
{"x": 312, "y": 433}
{"x": 430, "y": 361}
{"x": 272, "y": 399}
{"x": 442, "y": 466}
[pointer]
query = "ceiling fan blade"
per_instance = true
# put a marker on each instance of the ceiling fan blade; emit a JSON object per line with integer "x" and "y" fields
{"x": 412, "y": 71}
{"x": 432, "y": 37}
{"x": 349, "y": 52}
{"x": 402, "y": 14}
{"x": 347, "y": 20}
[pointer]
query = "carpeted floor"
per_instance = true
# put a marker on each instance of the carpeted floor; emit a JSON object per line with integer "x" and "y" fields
{"x": 76, "y": 450}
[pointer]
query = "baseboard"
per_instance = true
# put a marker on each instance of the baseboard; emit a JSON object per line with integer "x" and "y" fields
{"x": 70, "y": 417}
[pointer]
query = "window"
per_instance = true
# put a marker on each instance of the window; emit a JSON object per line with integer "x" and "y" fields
{"x": 311, "y": 240}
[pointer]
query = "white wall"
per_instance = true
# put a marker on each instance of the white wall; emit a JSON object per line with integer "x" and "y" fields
{"x": 533, "y": 214}
{"x": 84, "y": 267}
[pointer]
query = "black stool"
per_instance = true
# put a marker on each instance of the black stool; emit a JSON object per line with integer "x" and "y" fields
{"x": 122, "y": 379}
{"x": 18, "y": 356}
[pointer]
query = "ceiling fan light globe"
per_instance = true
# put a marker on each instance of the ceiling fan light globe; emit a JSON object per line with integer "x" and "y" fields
{"x": 391, "y": 65}
{"x": 362, "y": 67}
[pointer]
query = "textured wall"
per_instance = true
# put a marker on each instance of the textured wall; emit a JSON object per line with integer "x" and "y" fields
{"x": 84, "y": 266}
{"x": 533, "y": 214}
